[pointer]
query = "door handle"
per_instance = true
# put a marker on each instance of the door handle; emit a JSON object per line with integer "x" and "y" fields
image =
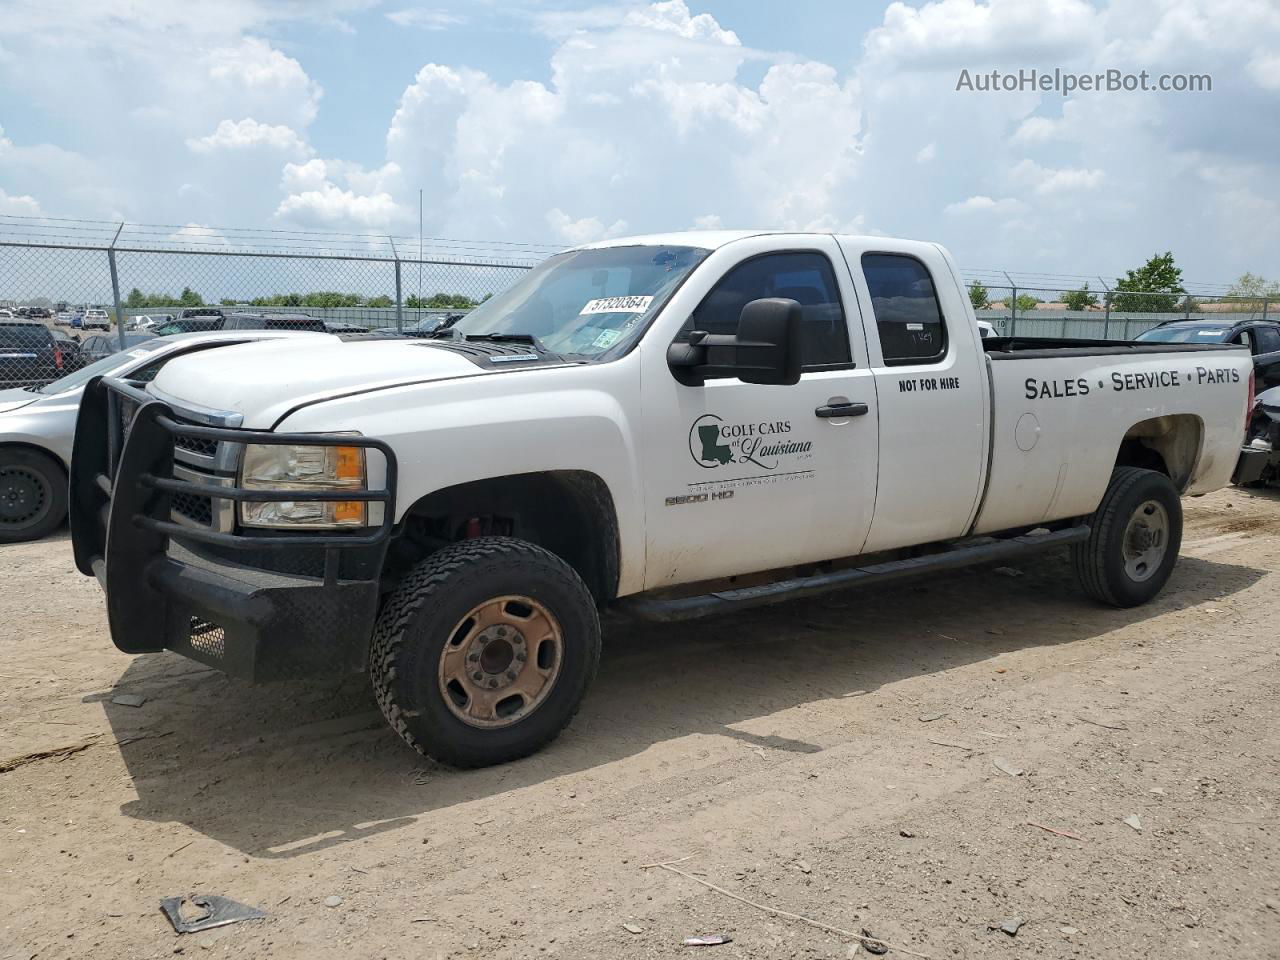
{"x": 833, "y": 411}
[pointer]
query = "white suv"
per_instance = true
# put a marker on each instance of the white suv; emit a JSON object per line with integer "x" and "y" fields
{"x": 96, "y": 319}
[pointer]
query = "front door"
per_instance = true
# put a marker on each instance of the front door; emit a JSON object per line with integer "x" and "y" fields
{"x": 745, "y": 477}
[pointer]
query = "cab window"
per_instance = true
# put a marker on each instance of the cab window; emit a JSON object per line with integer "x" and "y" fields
{"x": 804, "y": 277}
{"x": 908, "y": 315}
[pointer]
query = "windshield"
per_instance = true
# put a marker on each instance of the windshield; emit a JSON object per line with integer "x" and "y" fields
{"x": 106, "y": 365}
{"x": 585, "y": 302}
{"x": 1192, "y": 334}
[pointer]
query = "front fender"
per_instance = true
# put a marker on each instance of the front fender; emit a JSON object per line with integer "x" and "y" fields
{"x": 479, "y": 428}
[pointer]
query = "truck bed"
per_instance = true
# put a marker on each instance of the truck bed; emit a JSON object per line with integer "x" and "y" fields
{"x": 1030, "y": 348}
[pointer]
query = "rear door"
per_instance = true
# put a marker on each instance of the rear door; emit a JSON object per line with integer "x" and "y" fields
{"x": 932, "y": 385}
{"x": 744, "y": 477}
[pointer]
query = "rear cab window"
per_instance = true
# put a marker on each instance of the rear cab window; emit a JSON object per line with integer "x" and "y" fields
{"x": 908, "y": 314}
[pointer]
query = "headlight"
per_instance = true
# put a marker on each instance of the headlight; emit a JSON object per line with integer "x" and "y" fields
{"x": 272, "y": 466}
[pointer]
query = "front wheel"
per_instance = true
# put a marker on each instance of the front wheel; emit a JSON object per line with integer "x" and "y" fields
{"x": 1134, "y": 539}
{"x": 484, "y": 651}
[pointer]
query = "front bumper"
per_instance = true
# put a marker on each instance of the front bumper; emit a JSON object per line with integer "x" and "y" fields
{"x": 1252, "y": 463}
{"x": 260, "y": 606}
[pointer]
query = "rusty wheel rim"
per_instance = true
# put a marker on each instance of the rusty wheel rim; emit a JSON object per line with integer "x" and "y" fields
{"x": 501, "y": 661}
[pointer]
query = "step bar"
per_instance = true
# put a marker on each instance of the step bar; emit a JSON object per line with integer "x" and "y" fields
{"x": 969, "y": 553}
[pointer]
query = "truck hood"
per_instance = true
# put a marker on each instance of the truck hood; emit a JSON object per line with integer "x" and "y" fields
{"x": 263, "y": 381}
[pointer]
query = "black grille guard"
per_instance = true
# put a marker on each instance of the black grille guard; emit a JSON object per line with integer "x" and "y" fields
{"x": 122, "y": 486}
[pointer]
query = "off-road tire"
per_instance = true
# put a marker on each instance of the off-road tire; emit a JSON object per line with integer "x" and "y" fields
{"x": 1099, "y": 561}
{"x": 41, "y": 476}
{"x": 416, "y": 621}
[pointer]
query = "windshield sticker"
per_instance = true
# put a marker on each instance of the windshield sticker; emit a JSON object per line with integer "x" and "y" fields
{"x": 607, "y": 339}
{"x": 616, "y": 305}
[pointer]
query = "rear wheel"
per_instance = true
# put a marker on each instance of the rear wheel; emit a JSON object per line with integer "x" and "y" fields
{"x": 33, "y": 494}
{"x": 1134, "y": 538}
{"x": 484, "y": 651}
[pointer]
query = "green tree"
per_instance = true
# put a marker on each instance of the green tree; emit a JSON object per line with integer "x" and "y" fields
{"x": 978, "y": 296}
{"x": 1153, "y": 287}
{"x": 1025, "y": 302}
{"x": 189, "y": 298}
{"x": 136, "y": 298}
{"x": 382, "y": 301}
{"x": 1252, "y": 290}
{"x": 1080, "y": 299}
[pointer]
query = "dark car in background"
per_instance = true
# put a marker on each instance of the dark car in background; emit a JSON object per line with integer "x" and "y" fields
{"x": 104, "y": 345}
{"x": 243, "y": 321}
{"x": 29, "y": 354}
{"x": 1262, "y": 337}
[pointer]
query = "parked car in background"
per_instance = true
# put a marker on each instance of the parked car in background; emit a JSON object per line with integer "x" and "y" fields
{"x": 28, "y": 353}
{"x": 37, "y": 425}
{"x": 7, "y": 315}
{"x": 246, "y": 321}
{"x": 105, "y": 344}
{"x": 987, "y": 330}
{"x": 1259, "y": 464}
{"x": 150, "y": 321}
{"x": 343, "y": 326}
{"x": 96, "y": 320}
{"x": 429, "y": 325}
{"x": 72, "y": 351}
{"x": 77, "y": 319}
{"x": 40, "y": 313}
{"x": 63, "y": 318}
{"x": 1262, "y": 337}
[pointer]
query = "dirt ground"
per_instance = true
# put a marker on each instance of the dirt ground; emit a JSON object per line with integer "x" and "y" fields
{"x": 839, "y": 758}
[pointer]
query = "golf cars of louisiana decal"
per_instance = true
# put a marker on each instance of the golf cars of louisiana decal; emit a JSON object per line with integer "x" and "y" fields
{"x": 743, "y": 454}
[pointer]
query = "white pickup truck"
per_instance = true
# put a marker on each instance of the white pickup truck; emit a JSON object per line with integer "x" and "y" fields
{"x": 669, "y": 426}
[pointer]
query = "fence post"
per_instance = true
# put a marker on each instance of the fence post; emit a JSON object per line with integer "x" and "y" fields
{"x": 1265, "y": 301}
{"x": 399, "y": 298}
{"x": 115, "y": 286}
{"x": 1186, "y": 307}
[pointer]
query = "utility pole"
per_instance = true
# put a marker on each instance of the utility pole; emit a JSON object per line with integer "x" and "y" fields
{"x": 419, "y": 251}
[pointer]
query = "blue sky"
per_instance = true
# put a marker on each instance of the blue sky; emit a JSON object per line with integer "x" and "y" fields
{"x": 565, "y": 122}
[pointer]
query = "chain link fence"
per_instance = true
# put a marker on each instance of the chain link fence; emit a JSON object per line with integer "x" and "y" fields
{"x": 1096, "y": 313}
{"x": 72, "y": 292}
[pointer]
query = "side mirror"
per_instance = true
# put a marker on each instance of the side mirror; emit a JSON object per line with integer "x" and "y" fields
{"x": 765, "y": 350}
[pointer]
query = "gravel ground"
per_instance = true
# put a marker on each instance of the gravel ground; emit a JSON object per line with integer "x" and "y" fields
{"x": 869, "y": 760}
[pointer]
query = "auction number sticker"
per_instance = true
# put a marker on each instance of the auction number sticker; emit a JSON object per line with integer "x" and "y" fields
{"x": 616, "y": 305}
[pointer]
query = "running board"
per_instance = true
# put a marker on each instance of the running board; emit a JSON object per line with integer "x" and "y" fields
{"x": 645, "y": 607}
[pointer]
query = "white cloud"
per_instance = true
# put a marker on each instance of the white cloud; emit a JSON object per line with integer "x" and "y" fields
{"x": 249, "y": 133}
{"x": 708, "y": 221}
{"x": 197, "y": 234}
{"x": 1047, "y": 180}
{"x": 927, "y": 153}
{"x": 949, "y": 34}
{"x": 985, "y": 205}
{"x": 331, "y": 206}
{"x": 425, "y": 19}
{"x": 23, "y": 205}
{"x": 253, "y": 72}
{"x": 582, "y": 230}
